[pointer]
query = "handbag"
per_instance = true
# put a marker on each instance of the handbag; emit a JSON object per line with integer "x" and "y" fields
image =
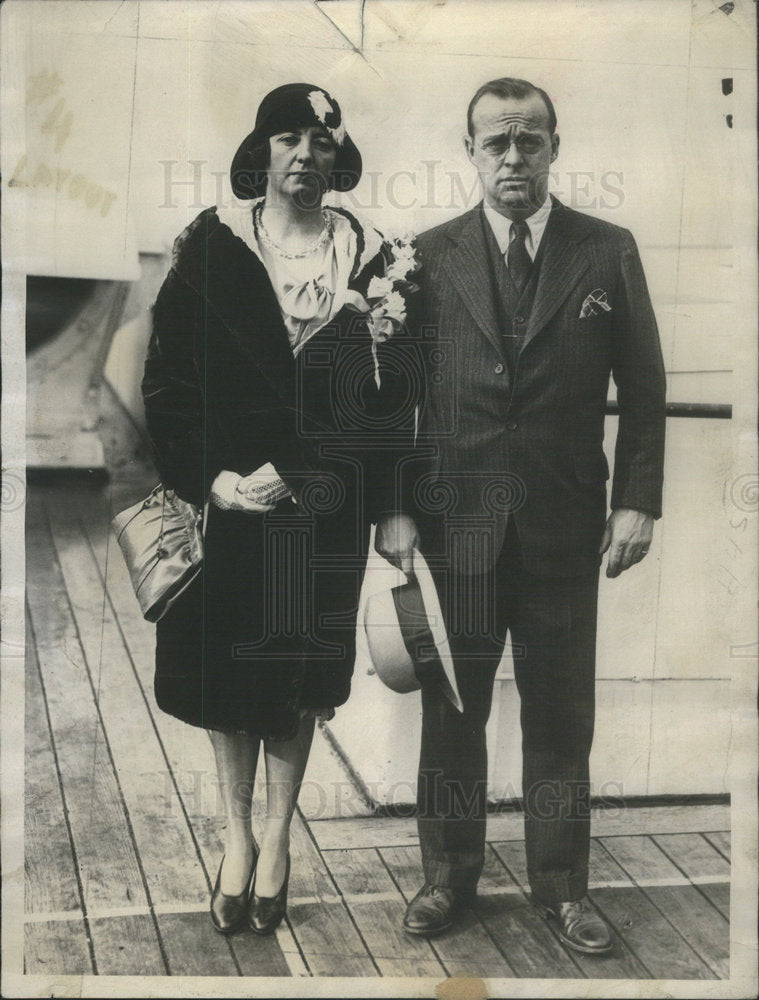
{"x": 161, "y": 539}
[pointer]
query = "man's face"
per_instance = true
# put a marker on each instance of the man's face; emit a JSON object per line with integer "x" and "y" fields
{"x": 512, "y": 148}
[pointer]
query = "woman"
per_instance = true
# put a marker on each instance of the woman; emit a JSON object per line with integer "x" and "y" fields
{"x": 269, "y": 402}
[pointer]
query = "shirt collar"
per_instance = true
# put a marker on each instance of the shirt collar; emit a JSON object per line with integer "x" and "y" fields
{"x": 536, "y": 225}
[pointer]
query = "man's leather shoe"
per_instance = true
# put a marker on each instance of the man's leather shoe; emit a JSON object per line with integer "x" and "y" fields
{"x": 580, "y": 927}
{"x": 430, "y": 911}
{"x": 228, "y": 912}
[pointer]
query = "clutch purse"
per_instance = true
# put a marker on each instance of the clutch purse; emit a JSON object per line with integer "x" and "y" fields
{"x": 161, "y": 539}
{"x": 264, "y": 485}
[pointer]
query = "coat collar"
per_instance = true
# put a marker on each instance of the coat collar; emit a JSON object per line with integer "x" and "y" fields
{"x": 232, "y": 280}
{"x": 223, "y": 268}
{"x": 468, "y": 267}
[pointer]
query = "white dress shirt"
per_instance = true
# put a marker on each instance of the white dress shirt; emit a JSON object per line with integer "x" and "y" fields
{"x": 536, "y": 225}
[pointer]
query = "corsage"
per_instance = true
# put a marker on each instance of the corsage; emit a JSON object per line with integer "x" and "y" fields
{"x": 384, "y": 305}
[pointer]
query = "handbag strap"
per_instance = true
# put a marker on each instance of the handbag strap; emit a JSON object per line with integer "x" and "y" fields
{"x": 161, "y": 551}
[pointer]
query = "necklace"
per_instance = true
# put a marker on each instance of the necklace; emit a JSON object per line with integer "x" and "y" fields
{"x": 263, "y": 234}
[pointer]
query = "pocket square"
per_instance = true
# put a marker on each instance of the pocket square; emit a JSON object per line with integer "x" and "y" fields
{"x": 595, "y": 304}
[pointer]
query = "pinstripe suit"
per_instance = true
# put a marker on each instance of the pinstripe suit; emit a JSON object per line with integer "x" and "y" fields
{"x": 510, "y": 497}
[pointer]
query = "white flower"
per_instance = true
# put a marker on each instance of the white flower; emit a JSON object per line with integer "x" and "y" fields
{"x": 395, "y": 306}
{"x": 400, "y": 269}
{"x": 378, "y": 287}
{"x": 322, "y": 108}
{"x": 320, "y": 104}
{"x": 403, "y": 251}
{"x": 338, "y": 134}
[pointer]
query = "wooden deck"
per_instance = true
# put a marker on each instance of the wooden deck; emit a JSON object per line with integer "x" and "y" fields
{"x": 122, "y": 848}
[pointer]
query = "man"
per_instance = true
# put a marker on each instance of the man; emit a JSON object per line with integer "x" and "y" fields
{"x": 534, "y": 305}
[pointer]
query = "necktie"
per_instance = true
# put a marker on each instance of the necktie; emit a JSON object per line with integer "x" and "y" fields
{"x": 519, "y": 260}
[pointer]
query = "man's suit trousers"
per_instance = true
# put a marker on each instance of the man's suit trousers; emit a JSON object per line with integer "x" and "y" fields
{"x": 552, "y": 625}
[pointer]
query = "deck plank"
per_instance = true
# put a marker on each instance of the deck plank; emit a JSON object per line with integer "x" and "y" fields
{"x": 110, "y": 873}
{"x": 56, "y": 948}
{"x": 169, "y": 861}
{"x": 620, "y": 963}
{"x": 362, "y": 877}
{"x": 720, "y": 840}
{"x": 364, "y": 831}
{"x": 718, "y": 894}
{"x": 328, "y": 939}
{"x": 126, "y": 946}
{"x": 698, "y": 922}
{"x": 260, "y": 956}
{"x": 390, "y": 831}
{"x": 696, "y": 857}
{"x": 643, "y": 857}
{"x": 641, "y": 925}
{"x": 50, "y": 873}
{"x": 532, "y": 950}
{"x": 193, "y": 947}
{"x": 469, "y": 950}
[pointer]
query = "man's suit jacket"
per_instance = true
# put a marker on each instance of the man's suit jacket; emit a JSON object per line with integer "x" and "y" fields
{"x": 528, "y": 444}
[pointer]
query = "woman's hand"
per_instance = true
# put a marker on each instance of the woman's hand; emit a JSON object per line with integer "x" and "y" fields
{"x": 228, "y": 493}
{"x": 263, "y": 486}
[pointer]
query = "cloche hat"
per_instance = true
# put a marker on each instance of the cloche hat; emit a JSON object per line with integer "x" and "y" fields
{"x": 298, "y": 105}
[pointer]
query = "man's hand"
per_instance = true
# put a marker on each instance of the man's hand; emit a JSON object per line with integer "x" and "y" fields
{"x": 395, "y": 539}
{"x": 627, "y": 535}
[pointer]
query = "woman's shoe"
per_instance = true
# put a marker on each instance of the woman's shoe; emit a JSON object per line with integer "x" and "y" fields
{"x": 228, "y": 912}
{"x": 265, "y": 913}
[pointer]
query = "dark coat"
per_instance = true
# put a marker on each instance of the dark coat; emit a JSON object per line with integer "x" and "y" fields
{"x": 529, "y": 444}
{"x": 268, "y": 627}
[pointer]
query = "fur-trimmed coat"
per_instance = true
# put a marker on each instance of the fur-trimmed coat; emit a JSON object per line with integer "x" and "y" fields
{"x": 268, "y": 627}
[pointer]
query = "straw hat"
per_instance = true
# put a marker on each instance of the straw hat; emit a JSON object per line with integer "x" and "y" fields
{"x": 407, "y": 638}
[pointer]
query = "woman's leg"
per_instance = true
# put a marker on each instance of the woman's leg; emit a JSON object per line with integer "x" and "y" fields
{"x": 285, "y": 765}
{"x": 236, "y": 759}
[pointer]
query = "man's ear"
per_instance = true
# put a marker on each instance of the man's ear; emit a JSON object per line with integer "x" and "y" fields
{"x": 469, "y": 147}
{"x": 554, "y": 146}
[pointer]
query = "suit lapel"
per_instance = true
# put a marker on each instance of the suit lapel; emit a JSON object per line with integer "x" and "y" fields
{"x": 468, "y": 267}
{"x": 564, "y": 263}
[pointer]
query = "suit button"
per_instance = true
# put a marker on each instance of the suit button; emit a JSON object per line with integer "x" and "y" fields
{"x": 519, "y": 319}
{"x": 512, "y": 425}
{"x": 498, "y": 368}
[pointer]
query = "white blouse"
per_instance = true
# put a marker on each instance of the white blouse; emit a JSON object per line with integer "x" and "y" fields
{"x": 310, "y": 289}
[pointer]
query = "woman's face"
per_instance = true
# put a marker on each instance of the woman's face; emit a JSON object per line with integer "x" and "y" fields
{"x": 300, "y": 162}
